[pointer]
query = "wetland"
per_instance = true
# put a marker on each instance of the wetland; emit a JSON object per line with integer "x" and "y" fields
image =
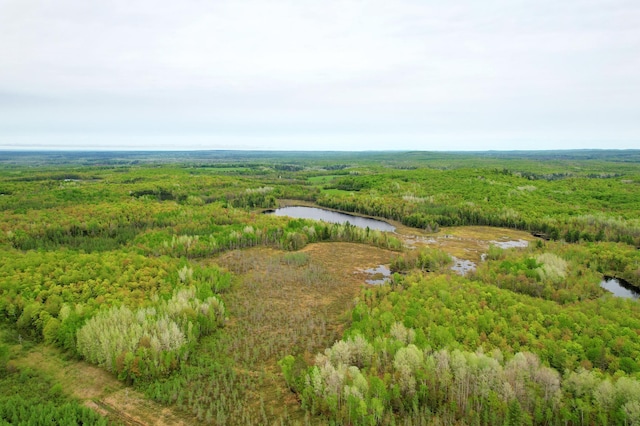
{"x": 210, "y": 312}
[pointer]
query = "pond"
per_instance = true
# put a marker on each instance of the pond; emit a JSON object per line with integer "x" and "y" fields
{"x": 620, "y": 288}
{"x": 379, "y": 275}
{"x": 332, "y": 217}
{"x": 462, "y": 266}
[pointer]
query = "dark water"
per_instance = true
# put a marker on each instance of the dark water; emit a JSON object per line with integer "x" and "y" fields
{"x": 619, "y": 288}
{"x": 333, "y": 217}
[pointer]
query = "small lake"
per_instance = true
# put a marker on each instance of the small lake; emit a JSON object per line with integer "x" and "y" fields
{"x": 332, "y": 217}
{"x": 620, "y": 288}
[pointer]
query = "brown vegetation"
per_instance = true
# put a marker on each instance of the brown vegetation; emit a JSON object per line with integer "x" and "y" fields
{"x": 280, "y": 308}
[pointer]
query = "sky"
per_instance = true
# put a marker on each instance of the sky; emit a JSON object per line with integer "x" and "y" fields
{"x": 319, "y": 75}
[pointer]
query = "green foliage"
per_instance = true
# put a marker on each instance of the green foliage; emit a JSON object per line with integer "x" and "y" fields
{"x": 295, "y": 259}
{"x": 255, "y": 198}
{"x": 553, "y": 208}
{"x": 431, "y": 366}
{"x": 149, "y": 342}
{"x": 4, "y": 357}
{"x": 16, "y": 411}
{"x": 558, "y": 271}
{"x": 234, "y": 368}
{"x": 110, "y": 239}
{"x": 424, "y": 328}
{"x": 495, "y": 253}
{"x": 292, "y": 370}
{"x": 28, "y": 397}
{"x": 428, "y": 260}
{"x": 286, "y": 364}
{"x": 552, "y": 267}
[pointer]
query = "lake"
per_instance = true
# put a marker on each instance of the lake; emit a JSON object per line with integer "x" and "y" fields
{"x": 332, "y": 217}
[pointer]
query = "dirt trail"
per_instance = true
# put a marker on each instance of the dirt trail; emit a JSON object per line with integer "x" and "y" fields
{"x": 99, "y": 390}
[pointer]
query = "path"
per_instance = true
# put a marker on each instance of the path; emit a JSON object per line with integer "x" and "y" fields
{"x": 99, "y": 390}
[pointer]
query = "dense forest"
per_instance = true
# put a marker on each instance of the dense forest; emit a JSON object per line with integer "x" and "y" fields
{"x": 163, "y": 270}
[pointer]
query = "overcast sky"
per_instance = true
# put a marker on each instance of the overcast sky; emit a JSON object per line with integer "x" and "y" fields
{"x": 319, "y": 75}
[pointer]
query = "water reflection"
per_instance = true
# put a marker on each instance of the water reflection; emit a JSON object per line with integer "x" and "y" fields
{"x": 462, "y": 266}
{"x": 380, "y": 275}
{"x": 333, "y": 217}
{"x": 620, "y": 288}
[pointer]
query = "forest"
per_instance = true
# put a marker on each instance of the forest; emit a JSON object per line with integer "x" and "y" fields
{"x": 154, "y": 288}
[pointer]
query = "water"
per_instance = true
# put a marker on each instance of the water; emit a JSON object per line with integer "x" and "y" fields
{"x": 380, "y": 275}
{"x": 410, "y": 241}
{"x": 620, "y": 288}
{"x": 333, "y": 217}
{"x": 506, "y": 245}
{"x": 510, "y": 243}
{"x": 462, "y": 266}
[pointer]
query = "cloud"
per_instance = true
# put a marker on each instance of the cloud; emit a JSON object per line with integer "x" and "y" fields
{"x": 460, "y": 72}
